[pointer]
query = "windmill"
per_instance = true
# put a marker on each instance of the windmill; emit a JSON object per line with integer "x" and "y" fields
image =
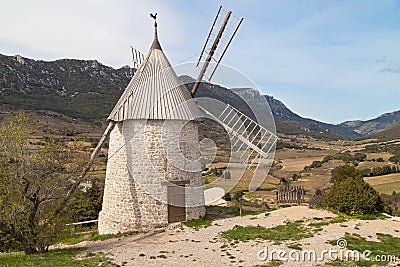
{"x": 134, "y": 197}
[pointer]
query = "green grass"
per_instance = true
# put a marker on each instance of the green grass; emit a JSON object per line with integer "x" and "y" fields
{"x": 318, "y": 225}
{"x": 207, "y": 179}
{"x": 197, "y": 224}
{"x": 388, "y": 245}
{"x": 295, "y": 246}
{"x": 98, "y": 172}
{"x": 271, "y": 264}
{"x": 370, "y": 217}
{"x": 93, "y": 237}
{"x": 289, "y": 231}
{"x": 345, "y": 218}
{"x": 59, "y": 258}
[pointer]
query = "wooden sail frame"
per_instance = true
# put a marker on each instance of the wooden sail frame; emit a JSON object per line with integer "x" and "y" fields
{"x": 218, "y": 40}
{"x": 137, "y": 57}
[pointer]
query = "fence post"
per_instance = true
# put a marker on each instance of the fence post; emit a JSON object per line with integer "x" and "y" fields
{"x": 240, "y": 206}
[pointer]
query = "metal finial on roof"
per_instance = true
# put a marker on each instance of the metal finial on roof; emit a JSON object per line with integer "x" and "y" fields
{"x": 156, "y": 44}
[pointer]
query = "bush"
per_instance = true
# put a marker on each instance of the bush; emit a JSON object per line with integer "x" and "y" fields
{"x": 238, "y": 195}
{"x": 359, "y": 156}
{"x": 296, "y": 177}
{"x": 395, "y": 159}
{"x": 377, "y": 171}
{"x": 316, "y": 164}
{"x": 227, "y": 197}
{"x": 318, "y": 201}
{"x": 346, "y": 157}
{"x": 86, "y": 204}
{"x": 352, "y": 195}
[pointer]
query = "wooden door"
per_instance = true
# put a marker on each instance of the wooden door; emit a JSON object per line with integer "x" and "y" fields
{"x": 176, "y": 203}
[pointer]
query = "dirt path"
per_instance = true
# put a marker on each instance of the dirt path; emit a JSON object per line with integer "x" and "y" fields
{"x": 205, "y": 247}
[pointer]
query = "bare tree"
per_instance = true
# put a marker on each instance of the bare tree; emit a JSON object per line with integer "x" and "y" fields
{"x": 35, "y": 183}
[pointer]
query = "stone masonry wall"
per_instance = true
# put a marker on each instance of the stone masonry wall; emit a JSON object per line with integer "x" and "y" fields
{"x": 144, "y": 156}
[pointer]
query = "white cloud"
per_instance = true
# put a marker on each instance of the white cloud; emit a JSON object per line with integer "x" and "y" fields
{"x": 100, "y": 30}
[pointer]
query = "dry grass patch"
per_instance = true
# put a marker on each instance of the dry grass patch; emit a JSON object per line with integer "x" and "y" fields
{"x": 383, "y": 179}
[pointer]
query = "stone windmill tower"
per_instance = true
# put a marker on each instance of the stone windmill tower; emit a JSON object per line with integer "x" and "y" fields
{"x": 153, "y": 176}
{"x": 143, "y": 188}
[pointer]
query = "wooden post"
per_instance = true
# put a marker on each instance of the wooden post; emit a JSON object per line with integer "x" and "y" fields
{"x": 240, "y": 206}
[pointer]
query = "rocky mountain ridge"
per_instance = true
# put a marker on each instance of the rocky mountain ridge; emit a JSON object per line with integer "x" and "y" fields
{"x": 88, "y": 90}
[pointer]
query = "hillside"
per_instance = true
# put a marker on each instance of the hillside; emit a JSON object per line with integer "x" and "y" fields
{"x": 287, "y": 122}
{"x": 389, "y": 134}
{"x": 373, "y": 126}
{"x": 88, "y": 90}
{"x": 83, "y": 89}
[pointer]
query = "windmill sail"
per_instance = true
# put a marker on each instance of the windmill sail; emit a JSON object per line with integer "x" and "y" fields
{"x": 222, "y": 31}
{"x": 252, "y": 141}
{"x": 137, "y": 57}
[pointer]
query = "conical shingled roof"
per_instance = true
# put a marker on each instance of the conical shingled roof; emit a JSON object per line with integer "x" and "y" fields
{"x": 155, "y": 92}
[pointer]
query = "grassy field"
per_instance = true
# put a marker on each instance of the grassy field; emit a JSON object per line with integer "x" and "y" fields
{"x": 59, "y": 258}
{"x": 387, "y": 245}
{"x": 388, "y": 188}
{"x": 383, "y": 155}
{"x": 298, "y": 164}
{"x": 385, "y": 184}
{"x": 383, "y": 179}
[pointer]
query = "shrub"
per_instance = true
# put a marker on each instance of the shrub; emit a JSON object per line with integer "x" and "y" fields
{"x": 318, "y": 201}
{"x": 238, "y": 195}
{"x": 316, "y": 164}
{"x": 296, "y": 177}
{"x": 395, "y": 159}
{"x": 352, "y": 195}
{"x": 227, "y": 197}
{"x": 359, "y": 156}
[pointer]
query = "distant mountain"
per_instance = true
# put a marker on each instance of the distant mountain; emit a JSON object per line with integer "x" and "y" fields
{"x": 83, "y": 89}
{"x": 289, "y": 122}
{"x": 88, "y": 90}
{"x": 373, "y": 126}
{"x": 286, "y": 121}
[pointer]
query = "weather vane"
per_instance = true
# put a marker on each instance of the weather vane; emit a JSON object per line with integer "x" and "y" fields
{"x": 154, "y": 16}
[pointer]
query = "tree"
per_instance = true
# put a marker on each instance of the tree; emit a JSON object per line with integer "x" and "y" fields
{"x": 86, "y": 204}
{"x": 380, "y": 160}
{"x": 351, "y": 194}
{"x": 35, "y": 184}
{"x": 345, "y": 171}
{"x": 360, "y": 156}
{"x": 395, "y": 159}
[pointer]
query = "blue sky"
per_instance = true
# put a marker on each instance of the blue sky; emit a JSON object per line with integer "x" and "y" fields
{"x": 327, "y": 60}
